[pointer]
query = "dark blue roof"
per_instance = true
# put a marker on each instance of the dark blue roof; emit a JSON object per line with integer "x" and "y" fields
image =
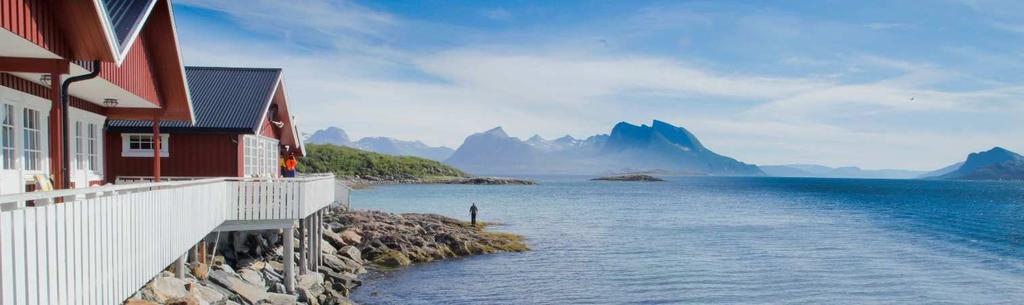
{"x": 126, "y": 17}
{"x": 230, "y": 100}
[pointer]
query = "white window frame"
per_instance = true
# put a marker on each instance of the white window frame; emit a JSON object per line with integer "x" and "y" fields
{"x": 12, "y": 180}
{"x": 260, "y": 156}
{"x": 87, "y": 151}
{"x": 38, "y": 138}
{"x": 127, "y": 151}
{"x": 8, "y": 134}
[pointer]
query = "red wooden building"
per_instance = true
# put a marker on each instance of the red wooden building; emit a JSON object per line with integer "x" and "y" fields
{"x": 116, "y": 59}
{"x": 242, "y": 128}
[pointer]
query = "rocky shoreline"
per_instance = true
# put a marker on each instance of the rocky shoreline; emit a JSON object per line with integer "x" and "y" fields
{"x": 362, "y": 182}
{"x": 248, "y": 270}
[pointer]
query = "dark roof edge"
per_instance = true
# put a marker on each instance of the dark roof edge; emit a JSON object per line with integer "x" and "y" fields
{"x": 233, "y": 68}
{"x": 278, "y": 82}
{"x": 172, "y": 130}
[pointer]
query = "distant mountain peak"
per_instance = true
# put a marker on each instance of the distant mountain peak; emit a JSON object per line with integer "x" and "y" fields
{"x": 329, "y": 135}
{"x": 384, "y": 145}
{"x": 660, "y": 146}
{"x": 496, "y": 131}
{"x": 994, "y": 163}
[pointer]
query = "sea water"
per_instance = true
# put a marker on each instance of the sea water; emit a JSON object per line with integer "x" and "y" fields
{"x": 718, "y": 240}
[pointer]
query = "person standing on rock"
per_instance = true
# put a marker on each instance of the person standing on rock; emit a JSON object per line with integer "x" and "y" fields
{"x": 472, "y": 214}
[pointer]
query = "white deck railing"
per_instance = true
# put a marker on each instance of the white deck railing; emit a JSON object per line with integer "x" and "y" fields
{"x": 268, "y": 199}
{"x": 102, "y": 244}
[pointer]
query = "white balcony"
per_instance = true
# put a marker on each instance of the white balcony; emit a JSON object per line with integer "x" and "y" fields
{"x": 99, "y": 245}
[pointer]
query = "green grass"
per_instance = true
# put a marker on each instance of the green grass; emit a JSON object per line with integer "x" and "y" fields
{"x": 351, "y": 162}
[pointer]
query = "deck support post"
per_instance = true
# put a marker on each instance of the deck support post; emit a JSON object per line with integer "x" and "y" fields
{"x": 316, "y": 241}
{"x": 320, "y": 239}
{"x": 289, "y": 259}
{"x": 303, "y": 227}
{"x": 179, "y": 266}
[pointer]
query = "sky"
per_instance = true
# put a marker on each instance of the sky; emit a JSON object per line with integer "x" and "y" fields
{"x": 876, "y": 84}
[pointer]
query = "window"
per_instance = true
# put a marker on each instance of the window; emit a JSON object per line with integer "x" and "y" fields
{"x": 79, "y": 154}
{"x": 92, "y": 153}
{"x": 7, "y": 158}
{"x": 138, "y": 145}
{"x": 32, "y": 141}
{"x": 261, "y": 155}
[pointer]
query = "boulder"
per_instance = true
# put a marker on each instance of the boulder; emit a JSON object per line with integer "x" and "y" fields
{"x": 252, "y": 276}
{"x": 340, "y": 264}
{"x": 166, "y": 288}
{"x": 242, "y": 288}
{"x": 310, "y": 286}
{"x": 328, "y": 248}
{"x": 334, "y": 239}
{"x": 139, "y": 302}
{"x": 281, "y": 299}
{"x": 187, "y": 300}
{"x": 352, "y": 253}
{"x": 351, "y": 236}
{"x": 207, "y": 294}
{"x": 392, "y": 259}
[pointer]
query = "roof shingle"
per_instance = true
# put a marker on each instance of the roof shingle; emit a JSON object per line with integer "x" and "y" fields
{"x": 223, "y": 99}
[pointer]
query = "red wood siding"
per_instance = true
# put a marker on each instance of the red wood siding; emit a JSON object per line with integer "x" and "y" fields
{"x": 10, "y": 81}
{"x": 135, "y": 73}
{"x": 192, "y": 155}
{"x": 35, "y": 21}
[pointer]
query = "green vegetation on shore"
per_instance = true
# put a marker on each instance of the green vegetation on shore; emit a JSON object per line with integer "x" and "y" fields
{"x": 350, "y": 162}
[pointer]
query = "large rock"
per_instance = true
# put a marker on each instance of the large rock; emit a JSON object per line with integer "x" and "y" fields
{"x": 166, "y": 288}
{"x": 341, "y": 264}
{"x": 351, "y": 236}
{"x": 392, "y": 259}
{"x": 187, "y": 300}
{"x": 242, "y": 288}
{"x": 352, "y": 253}
{"x": 252, "y": 276}
{"x": 139, "y": 302}
{"x": 310, "y": 286}
{"x": 334, "y": 239}
{"x": 207, "y": 294}
{"x": 281, "y": 299}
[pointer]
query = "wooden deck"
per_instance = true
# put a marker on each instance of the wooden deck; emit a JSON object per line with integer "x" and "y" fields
{"x": 102, "y": 244}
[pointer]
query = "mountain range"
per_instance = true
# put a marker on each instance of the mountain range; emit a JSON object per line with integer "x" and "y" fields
{"x": 628, "y": 148}
{"x": 384, "y": 145}
{"x": 659, "y": 148}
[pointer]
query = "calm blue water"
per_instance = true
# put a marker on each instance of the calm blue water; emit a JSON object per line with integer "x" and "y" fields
{"x": 724, "y": 241}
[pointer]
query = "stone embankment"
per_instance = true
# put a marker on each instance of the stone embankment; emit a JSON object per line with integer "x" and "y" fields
{"x": 247, "y": 267}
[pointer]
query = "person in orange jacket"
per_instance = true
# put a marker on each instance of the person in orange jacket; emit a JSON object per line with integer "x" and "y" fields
{"x": 289, "y": 166}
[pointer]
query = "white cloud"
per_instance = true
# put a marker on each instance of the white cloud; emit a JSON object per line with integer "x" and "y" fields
{"x": 440, "y": 96}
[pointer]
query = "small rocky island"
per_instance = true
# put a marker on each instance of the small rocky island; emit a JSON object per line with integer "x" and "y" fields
{"x": 630, "y": 177}
{"x": 490, "y": 181}
{"x": 247, "y": 268}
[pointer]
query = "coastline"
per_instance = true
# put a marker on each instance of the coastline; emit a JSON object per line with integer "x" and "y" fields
{"x": 355, "y": 243}
{"x": 365, "y": 182}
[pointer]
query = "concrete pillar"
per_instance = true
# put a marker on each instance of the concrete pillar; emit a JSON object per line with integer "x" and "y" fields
{"x": 303, "y": 227}
{"x": 289, "y": 260}
{"x": 179, "y": 266}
